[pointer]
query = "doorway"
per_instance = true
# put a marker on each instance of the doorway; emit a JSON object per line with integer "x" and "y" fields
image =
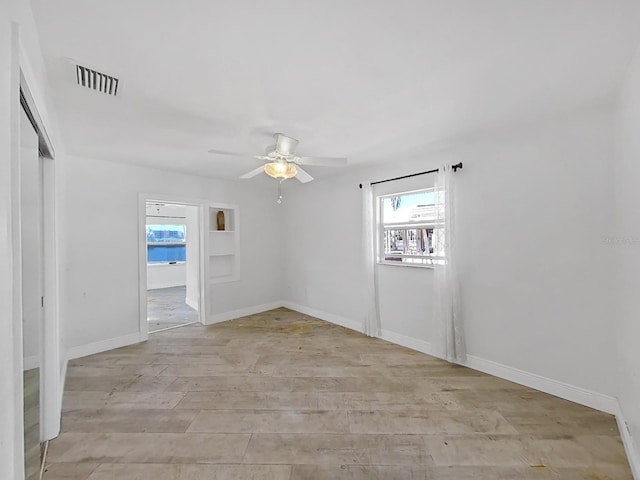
{"x": 172, "y": 250}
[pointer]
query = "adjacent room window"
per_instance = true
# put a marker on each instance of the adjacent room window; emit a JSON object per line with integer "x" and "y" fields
{"x": 408, "y": 225}
{"x": 166, "y": 244}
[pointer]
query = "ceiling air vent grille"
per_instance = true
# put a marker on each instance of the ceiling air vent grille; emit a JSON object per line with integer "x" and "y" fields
{"x": 101, "y": 82}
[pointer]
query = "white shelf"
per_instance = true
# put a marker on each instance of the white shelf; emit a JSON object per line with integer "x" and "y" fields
{"x": 222, "y": 279}
{"x": 223, "y": 245}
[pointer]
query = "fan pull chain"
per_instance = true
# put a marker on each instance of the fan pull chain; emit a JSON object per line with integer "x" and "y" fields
{"x": 279, "y": 201}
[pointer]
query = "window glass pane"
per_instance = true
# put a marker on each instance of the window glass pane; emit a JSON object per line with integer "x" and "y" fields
{"x": 411, "y": 207}
{"x": 409, "y": 230}
{"x": 408, "y": 241}
{"x": 166, "y": 233}
{"x": 166, "y": 243}
{"x": 166, "y": 253}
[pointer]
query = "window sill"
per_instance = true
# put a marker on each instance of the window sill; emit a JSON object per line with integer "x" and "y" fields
{"x": 165, "y": 264}
{"x": 405, "y": 264}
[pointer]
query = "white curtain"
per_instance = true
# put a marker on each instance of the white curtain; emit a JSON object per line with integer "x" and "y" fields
{"x": 371, "y": 317}
{"x": 451, "y": 345}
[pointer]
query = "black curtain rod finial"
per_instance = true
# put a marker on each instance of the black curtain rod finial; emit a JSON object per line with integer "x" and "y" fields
{"x": 456, "y": 166}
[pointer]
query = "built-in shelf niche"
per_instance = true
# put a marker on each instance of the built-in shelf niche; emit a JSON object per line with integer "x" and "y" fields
{"x": 229, "y": 215}
{"x": 223, "y": 244}
{"x": 221, "y": 267}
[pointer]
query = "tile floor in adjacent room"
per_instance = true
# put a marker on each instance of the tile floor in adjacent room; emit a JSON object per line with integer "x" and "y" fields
{"x": 166, "y": 307}
{"x": 281, "y": 395}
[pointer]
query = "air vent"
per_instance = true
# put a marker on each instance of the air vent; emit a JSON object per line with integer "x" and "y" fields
{"x": 100, "y": 82}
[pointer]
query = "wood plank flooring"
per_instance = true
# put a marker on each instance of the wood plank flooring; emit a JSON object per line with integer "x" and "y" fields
{"x": 166, "y": 307}
{"x": 280, "y": 395}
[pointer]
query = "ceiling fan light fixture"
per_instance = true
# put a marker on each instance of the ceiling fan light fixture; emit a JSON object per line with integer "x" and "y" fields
{"x": 280, "y": 170}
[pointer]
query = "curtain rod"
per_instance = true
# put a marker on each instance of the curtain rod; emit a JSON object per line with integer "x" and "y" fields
{"x": 455, "y": 168}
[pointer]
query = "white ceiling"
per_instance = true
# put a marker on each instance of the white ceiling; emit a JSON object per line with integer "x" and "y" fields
{"x": 372, "y": 80}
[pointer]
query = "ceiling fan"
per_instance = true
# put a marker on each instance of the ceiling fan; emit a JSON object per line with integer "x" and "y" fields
{"x": 282, "y": 162}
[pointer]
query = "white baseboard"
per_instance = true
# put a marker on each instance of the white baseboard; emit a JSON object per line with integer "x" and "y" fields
{"x": 104, "y": 345}
{"x": 329, "y": 317}
{"x": 629, "y": 444}
{"x": 192, "y": 303}
{"x": 589, "y": 398}
{"x": 405, "y": 341}
{"x": 242, "y": 312}
{"x": 63, "y": 379}
{"x": 31, "y": 362}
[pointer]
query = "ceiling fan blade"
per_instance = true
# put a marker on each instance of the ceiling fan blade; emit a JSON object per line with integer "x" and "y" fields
{"x": 231, "y": 154}
{"x": 253, "y": 172}
{"x": 322, "y": 161}
{"x": 303, "y": 176}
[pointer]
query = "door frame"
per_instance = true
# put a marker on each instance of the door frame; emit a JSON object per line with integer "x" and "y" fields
{"x": 143, "y": 198}
{"x": 51, "y": 382}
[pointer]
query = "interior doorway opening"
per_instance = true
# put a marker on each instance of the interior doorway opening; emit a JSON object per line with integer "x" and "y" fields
{"x": 173, "y": 265}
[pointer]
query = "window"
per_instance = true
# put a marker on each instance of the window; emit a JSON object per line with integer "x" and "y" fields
{"x": 166, "y": 244}
{"x": 408, "y": 226}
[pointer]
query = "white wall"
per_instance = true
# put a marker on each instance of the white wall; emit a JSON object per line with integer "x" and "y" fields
{"x": 533, "y": 206}
{"x": 105, "y": 306}
{"x": 321, "y": 245}
{"x": 192, "y": 265}
{"x": 625, "y": 241}
{"x": 164, "y": 275}
{"x": 10, "y": 340}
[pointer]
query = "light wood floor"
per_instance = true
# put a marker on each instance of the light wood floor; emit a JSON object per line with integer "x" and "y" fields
{"x": 166, "y": 307}
{"x": 284, "y": 396}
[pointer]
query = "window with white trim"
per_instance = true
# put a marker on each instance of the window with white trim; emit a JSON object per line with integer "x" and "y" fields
{"x": 407, "y": 227}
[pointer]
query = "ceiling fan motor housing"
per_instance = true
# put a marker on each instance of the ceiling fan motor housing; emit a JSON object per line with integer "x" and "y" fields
{"x": 285, "y": 146}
